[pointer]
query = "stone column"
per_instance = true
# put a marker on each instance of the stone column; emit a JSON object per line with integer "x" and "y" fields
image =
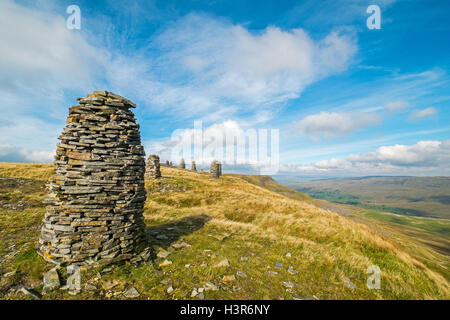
{"x": 215, "y": 169}
{"x": 193, "y": 167}
{"x": 96, "y": 197}
{"x": 167, "y": 163}
{"x": 182, "y": 164}
{"x": 153, "y": 167}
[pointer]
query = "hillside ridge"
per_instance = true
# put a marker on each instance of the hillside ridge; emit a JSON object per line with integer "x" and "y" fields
{"x": 227, "y": 238}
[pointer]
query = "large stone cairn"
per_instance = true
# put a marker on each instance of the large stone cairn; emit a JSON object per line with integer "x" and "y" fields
{"x": 193, "y": 166}
{"x": 153, "y": 167}
{"x": 182, "y": 164}
{"x": 97, "y": 195}
{"x": 215, "y": 169}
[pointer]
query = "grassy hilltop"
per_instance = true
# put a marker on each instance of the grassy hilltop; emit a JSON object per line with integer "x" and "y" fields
{"x": 231, "y": 237}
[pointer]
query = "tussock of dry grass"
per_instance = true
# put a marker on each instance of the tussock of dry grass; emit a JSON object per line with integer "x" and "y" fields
{"x": 238, "y": 205}
{"x": 34, "y": 171}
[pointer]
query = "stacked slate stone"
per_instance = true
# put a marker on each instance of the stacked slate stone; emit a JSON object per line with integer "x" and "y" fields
{"x": 170, "y": 164}
{"x": 215, "y": 169}
{"x": 167, "y": 163}
{"x": 193, "y": 167}
{"x": 97, "y": 195}
{"x": 153, "y": 167}
{"x": 182, "y": 164}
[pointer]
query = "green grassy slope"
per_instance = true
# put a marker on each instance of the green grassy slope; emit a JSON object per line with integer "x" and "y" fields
{"x": 269, "y": 183}
{"x": 225, "y": 235}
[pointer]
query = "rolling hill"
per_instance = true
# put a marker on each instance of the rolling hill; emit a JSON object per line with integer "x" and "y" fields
{"x": 222, "y": 238}
{"x": 412, "y": 196}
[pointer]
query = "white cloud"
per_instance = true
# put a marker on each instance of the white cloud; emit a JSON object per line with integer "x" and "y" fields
{"x": 40, "y": 56}
{"x": 423, "y": 153}
{"x": 226, "y": 63}
{"x": 427, "y": 112}
{"x": 334, "y": 124}
{"x": 397, "y": 106}
{"x": 424, "y": 157}
{"x": 210, "y": 137}
{"x": 15, "y": 154}
{"x": 228, "y": 142}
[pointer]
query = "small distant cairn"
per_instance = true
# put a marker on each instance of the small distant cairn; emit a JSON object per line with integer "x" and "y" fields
{"x": 97, "y": 194}
{"x": 182, "y": 164}
{"x": 193, "y": 167}
{"x": 167, "y": 163}
{"x": 215, "y": 169}
{"x": 170, "y": 164}
{"x": 153, "y": 167}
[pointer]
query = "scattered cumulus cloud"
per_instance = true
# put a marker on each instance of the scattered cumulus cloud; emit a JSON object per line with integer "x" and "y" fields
{"x": 397, "y": 106}
{"x": 14, "y": 154}
{"x": 423, "y": 153}
{"x": 335, "y": 124}
{"x": 427, "y": 112}
{"x": 424, "y": 157}
{"x": 41, "y": 56}
{"x": 228, "y": 64}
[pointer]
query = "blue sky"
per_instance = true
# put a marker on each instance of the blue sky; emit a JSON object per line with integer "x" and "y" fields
{"x": 346, "y": 100}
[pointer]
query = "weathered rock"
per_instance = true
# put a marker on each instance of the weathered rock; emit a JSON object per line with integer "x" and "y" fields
{"x": 153, "y": 170}
{"x": 288, "y": 284}
{"x": 29, "y": 292}
{"x": 51, "y": 280}
{"x": 97, "y": 195}
{"x": 222, "y": 263}
{"x": 90, "y": 287}
{"x": 296, "y": 297}
{"x": 131, "y": 293}
{"x": 10, "y": 274}
{"x": 228, "y": 278}
{"x": 193, "y": 166}
{"x": 241, "y": 274}
{"x": 278, "y": 265}
{"x": 179, "y": 245}
{"x": 291, "y": 270}
{"x": 209, "y": 286}
{"x": 165, "y": 263}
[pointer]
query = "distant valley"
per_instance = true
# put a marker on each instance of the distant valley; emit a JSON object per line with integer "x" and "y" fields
{"x": 411, "y": 196}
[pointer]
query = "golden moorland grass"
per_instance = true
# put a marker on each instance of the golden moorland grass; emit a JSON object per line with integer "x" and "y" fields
{"x": 229, "y": 218}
